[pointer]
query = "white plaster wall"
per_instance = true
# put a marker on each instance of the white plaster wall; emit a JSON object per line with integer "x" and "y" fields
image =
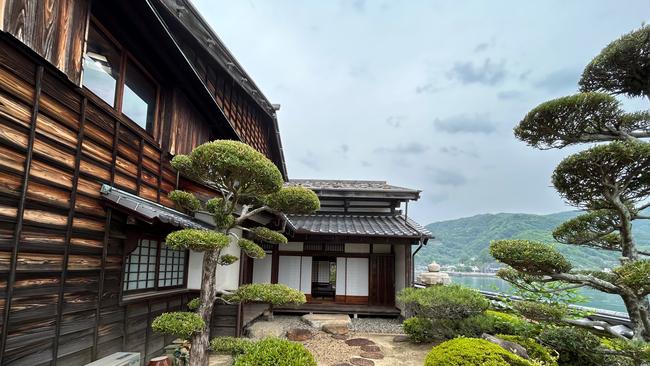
{"x": 381, "y": 248}
{"x": 262, "y": 269}
{"x": 291, "y": 247}
{"x": 227, "y": 277}
{"x": 357, "y": 248}
{"x": 305, "y": 275}
{"x": 357, "y": 277}
{"x": 289, "y": 271}
{"x": 194, "y": 270}
{"x": 340, "y": 276}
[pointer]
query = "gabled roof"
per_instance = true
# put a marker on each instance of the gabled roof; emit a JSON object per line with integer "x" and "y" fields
{"x": 359, "y": 225}
{"x": 356, "y": 188}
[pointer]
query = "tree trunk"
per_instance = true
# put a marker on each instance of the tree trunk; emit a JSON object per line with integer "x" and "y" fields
{"x": 200, "y": 341}
{"x": 637, "y": 309}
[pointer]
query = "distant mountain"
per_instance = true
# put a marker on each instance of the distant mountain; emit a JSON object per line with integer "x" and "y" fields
{"x": 466, "y": 240}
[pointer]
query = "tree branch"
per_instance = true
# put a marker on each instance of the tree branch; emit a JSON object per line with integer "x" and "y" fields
{"x": 590, "y": 281}
{"x": 595, "y": 323}
{"x": 251, "y": 213}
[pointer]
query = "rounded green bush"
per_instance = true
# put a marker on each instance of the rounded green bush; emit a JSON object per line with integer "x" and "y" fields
{"x": 419, "y": 330}
{"x": 294, "y": 200}
{"x": 181, "y": 324}
{"x": 535, "y": 350}
{"x": 529, "y": 256}
{"x": 227, "y": 259}
{"x": 268, "y": 235}
{"x": 251, "y": 249}
{"x": 230, "y": 345}
{"x": 197, "y": 240}
{"x": 185, "y": 201}
{"x": 194, "y": 303}
{"x": 472, "y": 352}
{"x": 575, "y": 346}
{"x": 540, "y": 311}
{"x": 276, "y": 352}
{"x": 447, "y": 302}
{"x": 506, "y": 323}
{"x": 232, "y": 164}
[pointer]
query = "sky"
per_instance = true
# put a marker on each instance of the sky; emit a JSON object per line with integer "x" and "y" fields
{"x": 422, "y": 94}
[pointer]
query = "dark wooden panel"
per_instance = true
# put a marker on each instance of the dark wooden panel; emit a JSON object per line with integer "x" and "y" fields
{"x": 381, "y": 286}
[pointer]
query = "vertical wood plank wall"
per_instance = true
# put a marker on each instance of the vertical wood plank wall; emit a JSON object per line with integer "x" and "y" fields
{"x": 60, "y": 250}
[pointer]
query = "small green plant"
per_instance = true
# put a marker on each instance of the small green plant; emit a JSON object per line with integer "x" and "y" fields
{"x": 536, "y": 351}
{"x": 506, "y": 323}
{"x": 575, "y": 346}
{"x": 275, "y": 352}
{"x": 181, "y": 324}
{"x": 447, "y": 302}
{"x": 419, "y": 330}
{"x": 471, "y": 352}
{"x": 194, "y": 304}
{"x": 185, "y": 201}
{"x": 231, "y": 345}
{"x": 541, "y": 311}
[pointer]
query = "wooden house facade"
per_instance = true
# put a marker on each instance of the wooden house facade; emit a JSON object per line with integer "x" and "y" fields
{"x": 95, "y": 99}
{"x": 353, "y": 255}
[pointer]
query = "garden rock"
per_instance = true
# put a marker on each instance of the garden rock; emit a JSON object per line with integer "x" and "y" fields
{"x": 357, "y": 342}
{"x": 299, "y": 334}
{"x": 335, "y": 328}
{"x": 371, "y": 348}
{"x": 507, "y": 345}
{"x": 263, "y": 329}
{"x": 318, "y": 320}
{"x": 340, "y": 337}
{"x": 401, "y": 338}
{"x": 362, "y": 362}
{"x": 372, "y": 355}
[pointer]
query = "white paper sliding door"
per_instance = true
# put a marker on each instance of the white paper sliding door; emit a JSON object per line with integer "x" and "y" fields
{"x": 356, "y": 283}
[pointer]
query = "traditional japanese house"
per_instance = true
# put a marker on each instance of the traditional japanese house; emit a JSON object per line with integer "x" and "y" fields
{"x": 353, "y": 255}
{"x": 95, "y": 99}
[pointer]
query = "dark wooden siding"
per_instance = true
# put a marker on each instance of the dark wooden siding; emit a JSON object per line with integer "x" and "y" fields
{"x": 53, "y": 28}
{"x": 188, "y": 127}
{"x": 61, "y": 250}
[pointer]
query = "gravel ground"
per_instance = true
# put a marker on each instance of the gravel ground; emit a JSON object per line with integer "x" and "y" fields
{"x": 359, "y": 325}
{"x": 377, "y": 325}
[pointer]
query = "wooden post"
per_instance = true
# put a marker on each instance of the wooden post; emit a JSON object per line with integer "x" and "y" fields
{"x": 102, "y": 275}
{"x": 275, "y": 263}
{"x": 21, "y": 210}
{"x": 68, "y": 232}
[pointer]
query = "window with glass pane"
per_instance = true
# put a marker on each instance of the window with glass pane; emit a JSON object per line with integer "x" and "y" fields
{"x": 101, "y": 65}
{"x": 153, "y": 265}
{"x": 139, "y": 99}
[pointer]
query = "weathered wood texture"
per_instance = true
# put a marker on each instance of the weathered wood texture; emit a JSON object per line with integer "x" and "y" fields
{"x": 253, "y": 125}
{"x": 65, "y": 291}
{"x": 52, "y": 28}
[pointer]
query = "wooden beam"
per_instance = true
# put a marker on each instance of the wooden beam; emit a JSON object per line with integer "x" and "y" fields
{"x": 275, "y": 263}
{"x": 102, "y": 276}
{"x": 68, "y": 232}
{"x": 21, "y": 209}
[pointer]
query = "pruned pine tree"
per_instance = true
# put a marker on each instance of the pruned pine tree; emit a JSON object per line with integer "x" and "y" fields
{"x": 609, "y": 181}
{"x": 249, "y": 184}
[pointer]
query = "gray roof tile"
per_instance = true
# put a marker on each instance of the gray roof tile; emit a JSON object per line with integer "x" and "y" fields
{"x": 367, "y": 225}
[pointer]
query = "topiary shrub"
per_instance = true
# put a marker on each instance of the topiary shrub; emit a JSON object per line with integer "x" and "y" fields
{"x": 275, "y": 352}
{"x": 185, "y": 201}
{"x": 231, "y": 345}
{"x": 294, "y": 200}
{"x": 535, "y": 350}
{"x": 541, "y": 311}
{"x": 505, "y": 323}
{"x": 471, "y": 352}
{"x": 529, "y": 256}
{"x": 251, "y": 249}
{"x": 635, "y": 276}
{"x": 575, "y": 346}
{"x": 181, "y": 324}
{"x": 197, "y": 240}
{"x": 275, "y": 294}
{"x": 446, "y": 302}
{"x": 270, "y": 236}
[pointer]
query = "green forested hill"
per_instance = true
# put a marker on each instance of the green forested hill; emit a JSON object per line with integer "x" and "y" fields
{"x": 466, "y": 240}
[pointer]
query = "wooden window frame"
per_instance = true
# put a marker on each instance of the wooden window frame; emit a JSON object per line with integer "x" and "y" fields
{"x": 156, "y": 288}
{"x": 125, "y": 58}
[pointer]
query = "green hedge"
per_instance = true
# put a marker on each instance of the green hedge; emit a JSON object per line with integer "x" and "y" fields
{"x": 576, "y": 346}
{"x": 275, "y": 352}
{"x": 472, "y": 352}
{"x": 231, "y": 345}
{"x": 535, "y": 350}
{"x": 446, "y": 302}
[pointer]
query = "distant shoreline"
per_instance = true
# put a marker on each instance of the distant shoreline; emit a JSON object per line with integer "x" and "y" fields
{"x": 471, "y": 274}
